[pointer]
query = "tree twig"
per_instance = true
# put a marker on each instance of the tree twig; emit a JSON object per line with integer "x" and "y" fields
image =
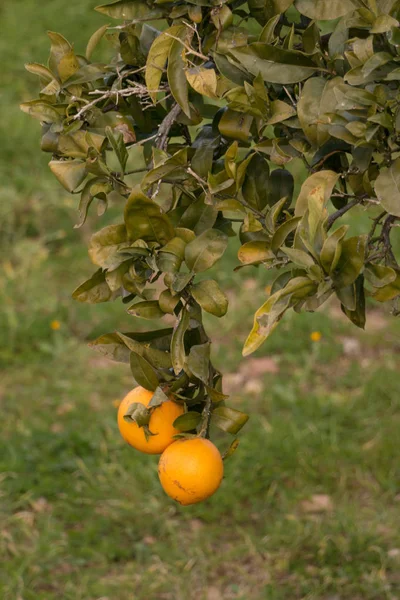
{"x": 336, "y": 215}
{"x": 164, "y": 129}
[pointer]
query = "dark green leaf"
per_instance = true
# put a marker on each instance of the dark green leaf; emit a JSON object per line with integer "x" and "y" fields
{"x": 94, "y": 290}
{"x": 116, "y": 140}
{"x": 256, "y": 184}
{"x": 205, "y": 250}
{"x": 351, "y": 261}
{"x": 148, "y": 309}
{"x": 130, "y": 10}
{"x": 198, "y": 362}
{"x": 177, "y": 343}
{"x": 210, "y": 297}
{"x": 111, "y": 346}
{"x": 176, "y": 75}
{"x": 356, "y": 314}
{"x": 145, "y": 220}
{"x": 228, "y": 419}
{"x": 143, "y": 372}
{"x": 187, "y": 422}
{"x": 276, "y": 65}
{"x": 387, "y": 188}
{"x": 325, "y": 9}
{"x": 105, "y": 244}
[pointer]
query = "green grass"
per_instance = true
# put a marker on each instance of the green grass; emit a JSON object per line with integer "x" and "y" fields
{"x": 309, "y": 505}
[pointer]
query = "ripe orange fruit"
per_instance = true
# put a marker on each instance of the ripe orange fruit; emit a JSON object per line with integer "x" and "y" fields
{"x": 190, "y": 470}
{"x": 160, "y": 423}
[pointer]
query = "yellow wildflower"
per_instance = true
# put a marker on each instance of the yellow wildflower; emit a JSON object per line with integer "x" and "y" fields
{"x": 316, "y": 336}
{"x": 55, "y": 325}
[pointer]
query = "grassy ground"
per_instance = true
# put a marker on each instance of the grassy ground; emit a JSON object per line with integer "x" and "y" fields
{"x": 310, "y": 503}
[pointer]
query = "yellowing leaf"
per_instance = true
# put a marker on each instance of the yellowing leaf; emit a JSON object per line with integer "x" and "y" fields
{"x": 158, "y": 56}
{"x": 324, "y": 181}
{"x": 204, "y": 81}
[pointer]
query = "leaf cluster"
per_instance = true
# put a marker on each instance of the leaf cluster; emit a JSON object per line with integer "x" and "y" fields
{"x": 215, "y": 101}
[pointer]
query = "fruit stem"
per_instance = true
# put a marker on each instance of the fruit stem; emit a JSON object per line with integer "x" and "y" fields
{"x": 206, "y": 418}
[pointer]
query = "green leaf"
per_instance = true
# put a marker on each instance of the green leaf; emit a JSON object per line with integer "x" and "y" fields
{"x": 176, "y": 75}
{"x": 78, "y": 143}
{"x": 235, "y": 125}
{"x": 388, "y": 292}
{"x": 143, "y": 372}
{"x": 116, "y": 140}
{"x": 130, "y": 10}
{"x": 170, "y": 257}
{"x": 94, "y": 290}
{"x": 231, "y": 450}
{"x": 87, "y": 74}
{"x": 317, "y": 98}
{"x": 177, "y": 342}
{"x": 387, "y": 188}
{"x": 172, "y": 165}
{"x": 94, "y": 40}
{"x": 115, "y": 277}
{"x": 158, "y": 398}
{"x": 145, "y": 220}
{"x": 379, "y": 275}
{"x": 168, "y": 302}
{"x": 322, "y": 183}
{"x": 228, "y": 419}
{"x": 210, "y": 297}
{"x": 61, "y": 50}
{"x": 299, "y": 257}
{"x": 280, "y": 111}
{"x": 137, "y": 413}
{"x": 267, "y": 34}
{"x": 255, "y": 188}
{"x": 262, "y": 10}
{"x": 70, "y": 173}
{"x": 187, "y": 422}
{"x": 324, "y": 10}
{"x": 158, "y": 56}
{"x": 198, "y": 362}
{"x": 42, "y": 111}
{"x": 351, "y": 261}
{"x": 281, "y": 185}
{"x": 205, "y": 250}
{"x": 180, "y": 281}
{"x": 199, "y": 216}
{"x": 148, "y": 309}
{"x": 275, "y": 65}
{"x": 105, "y": 244}
{"x": 282, "y": 233}
{"x": 357, "y": 314}
{"x": 160, "y": 359}
{"x": 46, "y": 76}
{"x": 332, "y": 249}
{"x": 111, "y": 346}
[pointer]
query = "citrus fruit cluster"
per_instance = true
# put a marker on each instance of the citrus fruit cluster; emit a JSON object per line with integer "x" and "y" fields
{"x": 190, "y": 468}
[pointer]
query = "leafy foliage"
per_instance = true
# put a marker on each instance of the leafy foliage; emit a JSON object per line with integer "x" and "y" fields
{"x": 220, "y": 99}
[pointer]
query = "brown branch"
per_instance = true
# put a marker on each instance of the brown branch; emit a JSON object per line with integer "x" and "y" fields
{"x": 386, "y": 229}
{"x": 336, "y": 215}
{"x": 376, "y": 222}
{"x": 164, "y": 129}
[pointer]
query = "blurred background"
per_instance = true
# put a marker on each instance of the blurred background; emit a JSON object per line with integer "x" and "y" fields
{"x": 310, "y": 504}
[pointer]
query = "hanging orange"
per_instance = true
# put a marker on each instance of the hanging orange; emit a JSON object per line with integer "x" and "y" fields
{"x": 191, "y": 470}
{"x": 160, "y": 424}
